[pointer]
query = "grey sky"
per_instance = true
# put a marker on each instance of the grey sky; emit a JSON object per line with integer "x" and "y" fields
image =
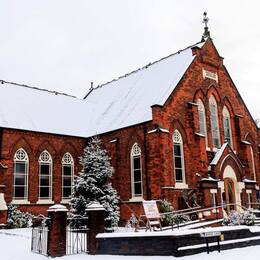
{"x": 63, "y": 45}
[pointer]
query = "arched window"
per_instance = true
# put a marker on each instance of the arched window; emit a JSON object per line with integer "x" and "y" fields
{"x": 45, "y": 176}
{"x": 253, "y": 161}
{"x": 136, "y": 171}
{"x": 227, "y": 126}
{"x": 214, "y": 122}
{"x": 67, "y": 175}
{"x": 202, "y": 120}
{"x": 21, "y": 166}
{"x": 178, "y": 157}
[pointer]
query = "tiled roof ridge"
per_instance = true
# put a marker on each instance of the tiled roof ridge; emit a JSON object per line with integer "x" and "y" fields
{"x": 139, "y": 69}
{"x": 35, "y": 88}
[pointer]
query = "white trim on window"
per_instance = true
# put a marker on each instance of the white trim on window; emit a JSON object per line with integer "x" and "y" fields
{"x": 253, "y": 162}
{"x": 213, "y": 107}
{"x": 136, "y": 172}
{"x": 45, "y": 201}
{"x": 67, "y": 162}
{"x": 45, "y": 177}
{"x": 249, "y": 198}
{"x": 20, "y": 175}
{"x": 227, "y": 126}
{"x": 20, "y": 202}
{"x": 178, "y": 158}
{"x": 202, "y": 120}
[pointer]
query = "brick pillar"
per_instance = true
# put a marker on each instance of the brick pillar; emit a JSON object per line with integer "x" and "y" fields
{"x": 57, "y": 230}
{"x": 96, "y": 224}
{"x": 3, "y": 207}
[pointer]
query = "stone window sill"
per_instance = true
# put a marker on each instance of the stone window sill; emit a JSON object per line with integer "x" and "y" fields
{"x": 20, "y": 202}
{"x": 65, "y": 201}
{"x": 136, "y": 199}
{"x": 181, "y": 185}
{"x": 45, "y": 201}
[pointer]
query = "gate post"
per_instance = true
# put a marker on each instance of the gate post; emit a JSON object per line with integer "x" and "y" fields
{"x": 96, "y": 224}
{"x": 3, "y": 207}
{"x": 57, "y": 230}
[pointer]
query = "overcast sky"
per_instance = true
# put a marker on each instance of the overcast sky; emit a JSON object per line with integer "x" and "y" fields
{"x": 63, "y": 45}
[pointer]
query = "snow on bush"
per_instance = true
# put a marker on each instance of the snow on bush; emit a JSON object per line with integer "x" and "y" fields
{"x": 248, "y": 218}
{"x": 166, "y": 207}
{"x": 17, "y": 218}
{"x": 92, "y": 184}
{"x": 235, "y": 218}
{"x": 180, "y": 219}
{"x": 169, "y": 218}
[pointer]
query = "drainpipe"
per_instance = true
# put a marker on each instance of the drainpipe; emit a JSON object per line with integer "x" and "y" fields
{"x": 147, "y": 182}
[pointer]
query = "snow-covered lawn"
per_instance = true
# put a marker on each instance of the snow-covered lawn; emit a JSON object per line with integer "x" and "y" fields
{"x": 15, "y": 245}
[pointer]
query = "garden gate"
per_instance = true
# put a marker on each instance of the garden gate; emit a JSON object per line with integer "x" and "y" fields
{"x": 39, "y": 242}
{"x": 77, "y": 231}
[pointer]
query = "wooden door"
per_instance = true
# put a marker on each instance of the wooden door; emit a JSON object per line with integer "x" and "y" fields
{"x": 230, "y": 194}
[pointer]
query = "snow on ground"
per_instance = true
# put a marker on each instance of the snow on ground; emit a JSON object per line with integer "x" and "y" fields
{"x": 178, "y": 232}
{"x": 15, "y": 245}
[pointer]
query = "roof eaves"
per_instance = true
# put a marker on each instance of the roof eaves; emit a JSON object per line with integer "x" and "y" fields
{"x": 35, "y": 88}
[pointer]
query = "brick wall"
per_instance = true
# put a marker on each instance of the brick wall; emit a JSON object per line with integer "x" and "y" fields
{"x": 34, "y": 143}
{"x": 179, "y": 112}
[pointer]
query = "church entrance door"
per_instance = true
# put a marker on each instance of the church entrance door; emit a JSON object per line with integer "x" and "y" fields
{"x": 230, "y": 195}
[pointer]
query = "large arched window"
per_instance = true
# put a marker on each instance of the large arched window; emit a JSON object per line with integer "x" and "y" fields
{"x": 227, "y": 126}
{"x": 178, "y": 155}
{"x": 67, "y": 175}
{"x": 214, "y": 122}
{"x": 136, "y": 171}
{"x": 20, "y": 182}
{"x": 45, "y": 176}
{"x": 253, "y": 161}
{"x": 202, "y": 120}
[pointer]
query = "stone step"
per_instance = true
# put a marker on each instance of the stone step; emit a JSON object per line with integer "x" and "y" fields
{"x": 224, "y": 245}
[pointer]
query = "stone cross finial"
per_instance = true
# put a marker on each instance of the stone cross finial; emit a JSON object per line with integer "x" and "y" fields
{"x": 206, "y": 33}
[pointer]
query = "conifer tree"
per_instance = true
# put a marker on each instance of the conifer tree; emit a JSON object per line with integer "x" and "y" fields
{"x": 92, "y": 183}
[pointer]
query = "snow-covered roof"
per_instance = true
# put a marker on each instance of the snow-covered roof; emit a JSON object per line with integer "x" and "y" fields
{"x": 41, "y": 111}
{"x": 218, "y": 154}
{"x": 248, "y": 180}
{"x": 210, "y": 179}
{"x": 128, "y": 100}
{"x": 117, "y": 104}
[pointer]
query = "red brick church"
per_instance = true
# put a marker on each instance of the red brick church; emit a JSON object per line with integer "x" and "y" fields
{"x": 176, "y": 126}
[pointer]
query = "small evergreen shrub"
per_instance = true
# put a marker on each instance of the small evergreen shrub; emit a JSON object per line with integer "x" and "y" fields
{"x": 235, "y": 218}
{"x": 245, "y": 218}
{"x": 167, "y": 208}
{"x": 180, "y": 219}
{"x": 226, "y": 221}
{"x": 248, "y": 218}
{"x": 17, "y": 218}
{"x": 170, "y": 218}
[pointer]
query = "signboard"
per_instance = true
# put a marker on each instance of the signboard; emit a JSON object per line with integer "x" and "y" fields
{"x": 211, "y": 234}
{"x": 210, "y": 75}
{"x": 150, "y": 209}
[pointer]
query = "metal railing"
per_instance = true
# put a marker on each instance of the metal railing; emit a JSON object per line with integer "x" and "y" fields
{"x": 194, "y": 211}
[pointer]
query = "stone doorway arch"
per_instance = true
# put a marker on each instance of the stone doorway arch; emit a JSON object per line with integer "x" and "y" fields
{"x": 231, "y": 195}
